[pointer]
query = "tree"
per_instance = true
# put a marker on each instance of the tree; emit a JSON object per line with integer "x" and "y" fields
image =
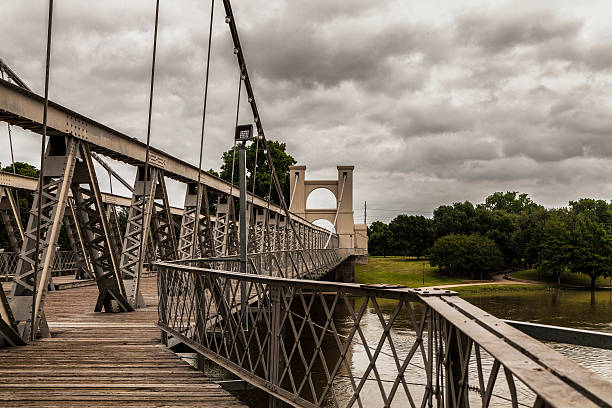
{"x": 510, "y": 202}
{"x": 466, "y": 255}
{"x": 411, "y": 235}
{"x": 592, "y": 251}
{"x": 25, "y": 169}
{"x": 379, "y": 239}
{"x": 555, "y": 248}
{"x": 597, "y": 210}
{"x": 281, "y": 159}
{"x": 528, "y": 234}
{"x": 499, "y": 226}
{"x": 458, "y": 218}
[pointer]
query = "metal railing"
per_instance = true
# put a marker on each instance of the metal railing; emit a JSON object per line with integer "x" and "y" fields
{"x": 296, "y": 263}
{"x": 64, "y": 261}
{"x": 315, "y": 343}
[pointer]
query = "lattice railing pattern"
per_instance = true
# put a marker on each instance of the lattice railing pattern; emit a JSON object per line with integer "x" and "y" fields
{"x": 312, "y": 343}
{"x": 64, "y": 260}
{"x": 8, "y": 263}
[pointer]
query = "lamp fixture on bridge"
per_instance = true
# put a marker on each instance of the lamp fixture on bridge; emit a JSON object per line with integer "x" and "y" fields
{"x": 244, "y": 133}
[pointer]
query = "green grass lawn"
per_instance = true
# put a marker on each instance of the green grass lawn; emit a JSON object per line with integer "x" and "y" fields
{"x": 400, "y": 270}
{"x": 567, "y": 279}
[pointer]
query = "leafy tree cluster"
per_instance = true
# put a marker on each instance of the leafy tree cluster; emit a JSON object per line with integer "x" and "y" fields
{"x": 466, "y": 255}
{"x": 263, "y": 177}
{"x": 524, "y": 234}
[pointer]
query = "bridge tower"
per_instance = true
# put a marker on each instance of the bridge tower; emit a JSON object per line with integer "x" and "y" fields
{"x": 351, "y": 236}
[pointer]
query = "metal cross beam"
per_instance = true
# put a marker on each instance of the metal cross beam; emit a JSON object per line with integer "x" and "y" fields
{"x": 23, "y": 108}
{"x": 29, "y": 183}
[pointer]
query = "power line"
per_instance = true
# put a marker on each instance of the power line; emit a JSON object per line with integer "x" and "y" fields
{"x": 394, "y": 210}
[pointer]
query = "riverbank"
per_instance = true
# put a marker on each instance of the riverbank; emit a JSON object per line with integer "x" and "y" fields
{"x": 399, "y": 270}
{"x": 415, "y": 273}
{"x": 568, "y": 280}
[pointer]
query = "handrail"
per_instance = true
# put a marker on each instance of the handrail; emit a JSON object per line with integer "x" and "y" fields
{"x": 316, "y": 343}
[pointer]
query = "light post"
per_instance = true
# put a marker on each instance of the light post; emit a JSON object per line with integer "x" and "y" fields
{"x": 423, "y": 273}
{"x": 243, "y": 134}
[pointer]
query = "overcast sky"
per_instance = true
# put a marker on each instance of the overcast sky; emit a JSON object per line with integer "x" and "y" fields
{"x": 432, "y": 101}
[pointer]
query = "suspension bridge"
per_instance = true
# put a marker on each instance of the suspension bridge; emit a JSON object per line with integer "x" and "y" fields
{"x": 246, "y": 282}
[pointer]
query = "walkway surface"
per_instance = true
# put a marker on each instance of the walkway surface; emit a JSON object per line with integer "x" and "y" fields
{"x": 103, "y": 360}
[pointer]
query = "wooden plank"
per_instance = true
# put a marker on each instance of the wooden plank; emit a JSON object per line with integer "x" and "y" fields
{"x": 99, "y": 359}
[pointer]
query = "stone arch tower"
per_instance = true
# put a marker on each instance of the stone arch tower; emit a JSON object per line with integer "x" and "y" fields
{"x": 352, "y": 237}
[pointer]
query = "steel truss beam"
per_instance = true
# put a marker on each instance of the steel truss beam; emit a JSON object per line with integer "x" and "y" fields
{"x": 8, "y": 325}
{"x": 225, "y": 229}
{"x": 157, "y": 222}
{"x": 20, "y": 182}
{"x": 203, "y": 247}
{"x": 60, "y": 159}
{"x": 84, "y": 269}
{"x": 97, "y": 235}
{"x": 23, "y": 108}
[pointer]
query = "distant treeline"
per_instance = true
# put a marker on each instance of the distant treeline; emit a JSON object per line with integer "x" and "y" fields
{"x": 507, "y": 231}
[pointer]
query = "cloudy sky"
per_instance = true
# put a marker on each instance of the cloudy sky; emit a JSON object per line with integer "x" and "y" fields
{"x": 433, "y": 102}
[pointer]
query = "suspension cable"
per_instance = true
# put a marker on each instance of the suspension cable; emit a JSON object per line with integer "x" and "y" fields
{"x": 148, "y": 148}
{"x": 235, "y": 126}
{"x": 8, "y": 126}
{"x": 337, "y": 210}
{"x": 110, "y": 181}
{"x": 229, "y": 19}
{"x": 255, "y": 171}
{"x": 196, "y": 225}
{"x": 10, "y": 137}
{"x": 42, "y": 174}
{"x": 267, "y": 219}
{"x": 13, "y": 76}
{"x": 297, "y": 176}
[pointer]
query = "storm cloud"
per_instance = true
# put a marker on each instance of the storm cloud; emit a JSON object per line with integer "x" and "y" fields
{"x": 432, "y": 102}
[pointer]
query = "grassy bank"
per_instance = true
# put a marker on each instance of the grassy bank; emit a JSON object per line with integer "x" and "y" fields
{"x": 400, "y": 270}
{"x": 567, "y": 279}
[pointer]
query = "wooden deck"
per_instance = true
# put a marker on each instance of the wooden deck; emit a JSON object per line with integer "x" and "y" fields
{"x": 102, "y": 360}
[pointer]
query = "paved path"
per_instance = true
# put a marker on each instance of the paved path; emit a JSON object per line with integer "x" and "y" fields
{"x": 496, "y": 280}
{"x": 103, "y": 360}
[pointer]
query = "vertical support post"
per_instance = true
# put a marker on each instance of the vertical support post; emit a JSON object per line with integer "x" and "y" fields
{"x": 243, "y": 208}
{"x": 457, "y": 391}
{"x": 243, "y": 231}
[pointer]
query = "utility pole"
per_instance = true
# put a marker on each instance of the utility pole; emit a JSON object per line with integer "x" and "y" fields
{"x": 365, "y": 212}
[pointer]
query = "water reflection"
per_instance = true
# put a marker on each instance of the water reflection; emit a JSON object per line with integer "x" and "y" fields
{"x": 568, "y": 308}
